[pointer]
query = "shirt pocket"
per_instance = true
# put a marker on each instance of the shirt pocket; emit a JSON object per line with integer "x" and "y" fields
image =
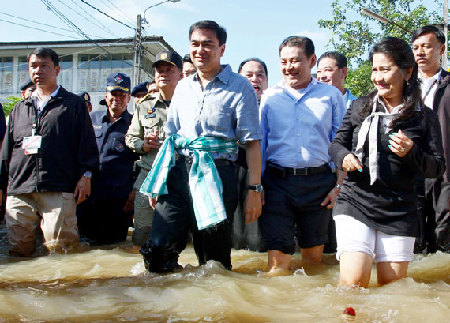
{"x": 217, "y": 116}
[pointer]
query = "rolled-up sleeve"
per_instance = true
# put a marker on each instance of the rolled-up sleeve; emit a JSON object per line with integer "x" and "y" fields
{"x": 247, "y": 115}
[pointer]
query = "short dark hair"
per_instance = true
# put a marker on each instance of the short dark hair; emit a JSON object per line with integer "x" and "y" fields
{"x": 45, "y": 52}
{"x": 426, "y": 30}
{"x": 298, "y": 41}
{"x": 187, "y": 58}
{"x": 254, "y": 59}
{"x": 341, "y": 60}
{"x": 221, "y": 32}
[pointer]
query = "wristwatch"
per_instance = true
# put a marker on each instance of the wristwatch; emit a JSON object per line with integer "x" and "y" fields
{"x": 258, "y": 188}
{"x": 338, "y": 186}
{"x": 87, "y": 174}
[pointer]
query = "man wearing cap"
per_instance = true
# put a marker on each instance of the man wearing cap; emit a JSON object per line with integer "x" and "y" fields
{"x": 87, "y": 100}
{"x": 193, "y": 179}
{"x": 146, "y": 132}
{"x": 188, "y": 67}
{"x": 27, "y": 88}
{"x": 139, "y": 91}
{"x": 106, "y": 216}
{"x": 47, "y": 161}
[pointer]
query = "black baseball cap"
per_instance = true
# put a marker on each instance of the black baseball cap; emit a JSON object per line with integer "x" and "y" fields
{"x": 169, "y": 57}
{"x": 141, "y": 87}
{"x": 118, "y": 82}
{"x": 26, "y": 85}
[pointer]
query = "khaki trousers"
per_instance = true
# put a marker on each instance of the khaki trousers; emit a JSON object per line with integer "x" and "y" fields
{"x": 57, "y": 219}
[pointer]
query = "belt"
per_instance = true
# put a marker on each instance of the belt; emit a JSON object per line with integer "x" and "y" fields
{"x": 218, "y": 162}
{"x": 284, "y": 171}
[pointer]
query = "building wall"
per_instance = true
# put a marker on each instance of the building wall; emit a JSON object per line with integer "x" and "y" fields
{"x": 80, "y": 71}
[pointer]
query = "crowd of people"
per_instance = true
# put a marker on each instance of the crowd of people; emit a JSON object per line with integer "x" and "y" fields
{"x": 220, "y": 159}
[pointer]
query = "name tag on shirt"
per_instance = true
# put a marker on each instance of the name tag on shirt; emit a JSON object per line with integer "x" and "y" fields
{"x": 151, "y": 115}
{"x": 31, "y": 144}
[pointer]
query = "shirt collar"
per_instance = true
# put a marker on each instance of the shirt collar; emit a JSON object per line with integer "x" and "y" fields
{"x": 223, "y": 76}
{"x": 126, "y": 116}
{"x": 35, "y": 95}
{"x": 297, "y": 94}
{"x": 436, "y": 77}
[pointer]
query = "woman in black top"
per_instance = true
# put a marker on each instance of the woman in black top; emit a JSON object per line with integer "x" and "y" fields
{"x": 385, "y": 139}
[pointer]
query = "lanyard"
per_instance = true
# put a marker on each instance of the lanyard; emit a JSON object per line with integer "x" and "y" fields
{"x": 429, "y": 90}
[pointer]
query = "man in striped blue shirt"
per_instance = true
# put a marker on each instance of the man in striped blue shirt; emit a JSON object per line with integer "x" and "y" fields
{"x": 299, "y": 118}
{"x": 214, "y": 105}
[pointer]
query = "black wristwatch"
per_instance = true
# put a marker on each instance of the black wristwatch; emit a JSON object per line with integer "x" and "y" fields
{"x": 258, "y": 188}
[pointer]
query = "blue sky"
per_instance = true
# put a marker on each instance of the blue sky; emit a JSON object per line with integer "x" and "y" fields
{"x": 255, "y": 27}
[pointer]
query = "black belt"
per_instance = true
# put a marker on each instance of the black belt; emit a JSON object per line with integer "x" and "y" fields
{"x": 284, "y": 171}
{"x": 218, "y": 162}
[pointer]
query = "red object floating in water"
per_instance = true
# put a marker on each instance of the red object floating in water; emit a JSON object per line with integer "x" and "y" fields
{"x": 349, "y": 311}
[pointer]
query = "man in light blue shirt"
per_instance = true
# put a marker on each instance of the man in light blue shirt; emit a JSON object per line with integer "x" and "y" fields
{"x": 299, "y": 118}
{"x": 213, "y": 103}
{"x": 332, "y": 70}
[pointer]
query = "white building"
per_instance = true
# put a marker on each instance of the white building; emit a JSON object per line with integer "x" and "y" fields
{"x": 85, "y": 64}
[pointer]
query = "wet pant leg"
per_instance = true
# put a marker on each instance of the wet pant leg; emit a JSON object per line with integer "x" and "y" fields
{"x": 143, "y": 212}
{"x": 173, "y": 218}
{"x": 443, "y": 218}
{"x": 59, "y": 220}
{"x": 21, "y": 223}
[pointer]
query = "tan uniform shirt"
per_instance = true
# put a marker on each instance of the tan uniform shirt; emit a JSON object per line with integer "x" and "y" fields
{"x": 150, "y": 114}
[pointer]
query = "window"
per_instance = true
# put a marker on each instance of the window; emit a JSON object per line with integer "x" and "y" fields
{"x": 6, "y": 75}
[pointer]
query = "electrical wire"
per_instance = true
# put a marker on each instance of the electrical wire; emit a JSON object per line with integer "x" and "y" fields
{"x": 98, "y": 24}
{"x": 104, "y": 13}
{"x": 66, "y": 20}
{"x": 120, "y": 12}
{"x": 38, "y": 29}
{"x": 36, "y": 22}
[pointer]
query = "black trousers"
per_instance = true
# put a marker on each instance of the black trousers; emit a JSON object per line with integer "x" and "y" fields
{"x": 174, "y": 218}
{"x": 103, "y": 221}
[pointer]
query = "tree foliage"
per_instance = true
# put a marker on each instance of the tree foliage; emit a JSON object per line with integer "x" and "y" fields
{"x": 354, "y": 33}
{"x": 8, "y": 106}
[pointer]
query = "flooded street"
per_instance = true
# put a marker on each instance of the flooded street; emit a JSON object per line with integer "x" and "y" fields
{"x": 113, "y": 285}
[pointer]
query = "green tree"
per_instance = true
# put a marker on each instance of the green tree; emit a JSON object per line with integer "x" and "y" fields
{"x": 8, "y": 106}
{"x": 353, "y": 33}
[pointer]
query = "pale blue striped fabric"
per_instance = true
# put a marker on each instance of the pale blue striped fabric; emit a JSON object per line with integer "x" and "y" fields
{"x": 204, "y": 180}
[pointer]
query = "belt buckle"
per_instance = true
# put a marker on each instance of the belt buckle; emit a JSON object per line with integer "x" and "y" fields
{"x": 300, "y": 171}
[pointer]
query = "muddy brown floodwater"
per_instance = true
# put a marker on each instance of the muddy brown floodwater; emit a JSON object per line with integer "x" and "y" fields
{"x": 104, "y": 285}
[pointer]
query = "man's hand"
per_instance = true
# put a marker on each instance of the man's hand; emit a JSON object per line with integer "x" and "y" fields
{"x": 152, "y": 201}
{"x": 82, "y": 190}
{"x": 252, "y": 206}
{"x": 330, "y": 199}
{"x": 151, "y": 141}
{"x": 130, "y": 202}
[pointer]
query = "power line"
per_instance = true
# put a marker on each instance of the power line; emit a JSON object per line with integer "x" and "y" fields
{"x": 38, "y": 29}
{"x": 36, "y": 22}
{"x": 104, "y": 13}
{"x": 98, "y": 24}
{"x": 120, "y": 12}
{"x": 61, "y": 16}
{"x": 41, "y": 23}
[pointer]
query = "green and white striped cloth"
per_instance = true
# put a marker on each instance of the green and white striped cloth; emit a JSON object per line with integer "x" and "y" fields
{"x": 204, "y": 180}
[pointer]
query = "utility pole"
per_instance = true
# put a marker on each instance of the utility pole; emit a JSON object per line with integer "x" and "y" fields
{"x": 137, "y": 52}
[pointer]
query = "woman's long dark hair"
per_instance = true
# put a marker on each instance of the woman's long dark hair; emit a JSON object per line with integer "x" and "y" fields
{"x": 402, "y": 55}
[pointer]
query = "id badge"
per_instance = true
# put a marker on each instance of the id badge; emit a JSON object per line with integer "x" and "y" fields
{"x": 31, "y": 144}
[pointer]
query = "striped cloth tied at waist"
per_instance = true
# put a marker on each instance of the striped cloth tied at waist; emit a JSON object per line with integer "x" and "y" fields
{"x": 205, "y": 184}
